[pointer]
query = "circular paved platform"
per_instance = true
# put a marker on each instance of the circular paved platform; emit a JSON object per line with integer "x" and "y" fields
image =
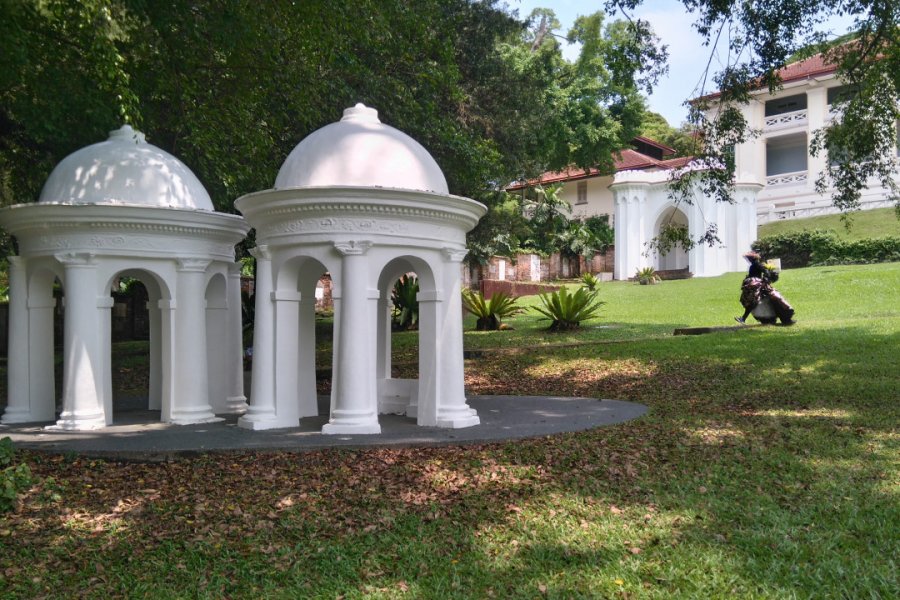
{"x": 139, "y": 434}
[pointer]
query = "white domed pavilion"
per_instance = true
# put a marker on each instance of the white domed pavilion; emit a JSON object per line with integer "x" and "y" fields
{"x": 124, "y": 208}
{"x": 366, "y": 203}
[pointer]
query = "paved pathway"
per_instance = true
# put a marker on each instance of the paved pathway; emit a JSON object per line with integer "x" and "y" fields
{"x": 139, "y": 434}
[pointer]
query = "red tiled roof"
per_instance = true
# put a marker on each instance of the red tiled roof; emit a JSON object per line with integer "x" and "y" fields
{"x": 665, "y": 149}
{"x": 675, "y": 163}
{"x": 803, "y": 69}
{"x": 629, "y": 160}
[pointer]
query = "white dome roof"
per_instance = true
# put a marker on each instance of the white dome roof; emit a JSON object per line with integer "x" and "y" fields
{"x": 125, "y": 169}
{"x": 361, "y": 151}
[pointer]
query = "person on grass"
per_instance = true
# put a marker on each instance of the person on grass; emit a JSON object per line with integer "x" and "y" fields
{"x": 757, "y": 286}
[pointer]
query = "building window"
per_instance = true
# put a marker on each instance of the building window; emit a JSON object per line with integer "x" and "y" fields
{"x": 780, "y": 106}
{"x": 582, "y": 193}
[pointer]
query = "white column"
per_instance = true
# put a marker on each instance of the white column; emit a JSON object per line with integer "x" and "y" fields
{"x": 287, "y": 346}
{"x": 236, "y": 402}
{"x": 190, "y": 403}
{"x": 308, "y": 399}
{"x": 355, "y": 405}
{"x": 167, "y": 337}
{"x": 104, "y": 319}
{"x": 218, "y": 339}
{"x": 816, "y": 118}
{"x": 261, "y": 413}
{"x": 621, "y": 220}
{"x": 82, "y": 365}
{"x": 154, "y": 402}
{"x": 21, "y": 405}
{"x": 41, "y": 378}
{"x": 452, "y": 409}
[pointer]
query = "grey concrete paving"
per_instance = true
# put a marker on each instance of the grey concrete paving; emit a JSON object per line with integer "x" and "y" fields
{"x": 139, "y": 435}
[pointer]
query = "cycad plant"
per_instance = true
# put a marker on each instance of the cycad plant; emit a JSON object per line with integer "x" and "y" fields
{"x": 406, "y": 305}
{"x": 590, "y": 281}
{"x": 489, "y": 314}
{"x": 647, "y": 276}
{"x": 566, "y": 311}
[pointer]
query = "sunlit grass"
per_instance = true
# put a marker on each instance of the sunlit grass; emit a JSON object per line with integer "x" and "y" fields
{"x": 768, "y": 466}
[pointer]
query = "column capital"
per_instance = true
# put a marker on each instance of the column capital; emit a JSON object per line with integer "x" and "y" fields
{"x": 196, "y": 265}
{"x": 76, "y": 259}
{"x": 234, "y": 269}
{"x": 353, "y": 247}
{"x": 16, "y": 262}
{"x": 455, "y": 254}
{"x": 261, "y": 252}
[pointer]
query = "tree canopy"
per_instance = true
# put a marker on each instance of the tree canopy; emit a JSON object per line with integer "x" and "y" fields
{"x": 763, "y": 36}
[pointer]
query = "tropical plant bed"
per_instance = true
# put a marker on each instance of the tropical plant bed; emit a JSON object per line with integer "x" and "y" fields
{"x": 768, "y": 466}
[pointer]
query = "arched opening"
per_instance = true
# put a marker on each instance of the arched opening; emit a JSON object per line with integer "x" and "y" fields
{"x": 304, "y": 336}
{"x": 135, "y": 380}
{"x": 674, "y": 222}
{"x": 403, "y": 282}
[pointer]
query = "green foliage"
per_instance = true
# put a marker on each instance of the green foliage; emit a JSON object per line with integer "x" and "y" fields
{"x": 818, "y": 247}
{"x": 763, "y": 36}
{"x": 682, "y": 139}
{"x": 490, "y": 313}
{"x": 647, "y": 276}
{"x": 590, "y": 281}
{"x": 14, "y": 478}
{"x": 406, "y": 305}
{"x": 566, "y": 311}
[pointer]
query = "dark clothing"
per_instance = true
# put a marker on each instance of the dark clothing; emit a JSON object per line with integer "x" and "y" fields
{"x": 756, "y": 270}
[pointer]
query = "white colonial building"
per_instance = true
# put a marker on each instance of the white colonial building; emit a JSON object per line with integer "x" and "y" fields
{"x": 637, "y": 202}
{"x": 780, "y": 157}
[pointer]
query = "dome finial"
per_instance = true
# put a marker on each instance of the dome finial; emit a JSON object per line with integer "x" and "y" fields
{"x": 361, "y": 114}
{"x": 126, "y": 133}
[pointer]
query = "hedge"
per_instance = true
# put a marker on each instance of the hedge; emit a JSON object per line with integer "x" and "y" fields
{"x": 821, "y": 247}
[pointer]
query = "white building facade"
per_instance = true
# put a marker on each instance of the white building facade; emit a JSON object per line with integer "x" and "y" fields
{"x": 779, "y": 157}
{"x": 637, "y": 203}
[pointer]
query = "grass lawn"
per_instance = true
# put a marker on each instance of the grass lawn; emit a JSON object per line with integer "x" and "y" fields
{"x": 864, "y": 224}
{"x": 767, "y": 467}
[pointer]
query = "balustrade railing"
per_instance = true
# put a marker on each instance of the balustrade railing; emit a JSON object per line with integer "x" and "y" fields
{"x": 794, "y": 178}
{"x": 784, "y": 120}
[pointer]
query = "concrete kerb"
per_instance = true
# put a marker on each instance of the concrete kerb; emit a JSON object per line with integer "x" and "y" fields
{"x": 139, "y": 436}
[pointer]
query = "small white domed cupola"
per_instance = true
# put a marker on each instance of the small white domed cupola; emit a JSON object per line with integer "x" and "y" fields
{"x": 361, "y": 151}
{"x": 125, "y": 170}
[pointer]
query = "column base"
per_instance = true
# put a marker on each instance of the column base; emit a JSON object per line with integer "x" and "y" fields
{"x": 79, "y": 422}
{"x": 259, "y": 422}
{"x": 22, "y": 415}
{"x": 349, "y": 422}
{"x": 193, "y": 417}
{"x": 458, "y": 417}
{"x": 236, "y": 405}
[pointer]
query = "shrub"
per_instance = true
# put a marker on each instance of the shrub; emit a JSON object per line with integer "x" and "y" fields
{"x": 566, "y": 311}
{"x": 406, "y": 305}
{"x": 13, "y": 478}
{"x": 797, "y": 249}
{"x": 590, "y": 281}
{"x": 819, "y": 247}
{"x": 489, "y": 313}
{"x": 647, "y": 276}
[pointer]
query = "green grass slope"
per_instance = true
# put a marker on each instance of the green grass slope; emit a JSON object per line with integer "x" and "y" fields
{"x": 865, "y": 224}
